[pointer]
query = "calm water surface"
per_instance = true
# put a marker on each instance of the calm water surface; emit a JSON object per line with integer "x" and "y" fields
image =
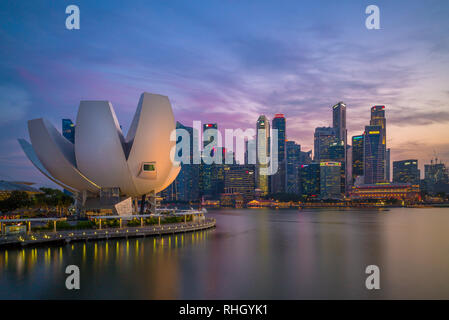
{"x": 252, "y": 254}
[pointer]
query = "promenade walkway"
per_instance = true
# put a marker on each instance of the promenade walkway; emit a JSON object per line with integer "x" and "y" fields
{"x": 66, "y": 236}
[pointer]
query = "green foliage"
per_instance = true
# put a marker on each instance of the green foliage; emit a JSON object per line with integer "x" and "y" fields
{"x": 16, "y": 200}
{"x": 151, "y": 221}
{"x": 110, "y": 223}
{"x": 52, "y": 198}
{"x": 133, "y": 223}
{"x": 173, "y": 219}
{"x": 85, "y": 225}
{"x": 64, "y": 225}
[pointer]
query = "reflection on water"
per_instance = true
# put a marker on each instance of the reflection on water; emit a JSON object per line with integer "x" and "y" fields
{"x": 39, "y": 272}
{"x": 251, "y": 254}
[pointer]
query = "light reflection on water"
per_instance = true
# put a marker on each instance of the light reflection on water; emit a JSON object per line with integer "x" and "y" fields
{"x": 260, "y": 254}
{"x": 31, "y": 272}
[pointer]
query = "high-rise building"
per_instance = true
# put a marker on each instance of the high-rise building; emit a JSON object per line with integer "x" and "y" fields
{"x": 240, "y": 179}
{"x": 218, "y": 174}
{"x": 387, "y": 165}
{"x": 206, "y": 187}
{"x": 339, "y": 121}
{"x": 339, "y": 124}
{"x": 374, "y": 155}
{"x": 186, "y": 185}
{"x": 278, "y": 180}
{"x": 293, "y": 163}
{"x": 357, "y": 156}
{"x": 406, "y": 171}
{"x": 435, "y": 177}
{"x": 309, "y": 178}
{"x": 305, "y": 157}
{"x": 378, "y": 119}
{"x": 330, "y": 180}
{"x": 348, "y": 177}
{"x": 68, "y": 130}
{"x": 323, "y": 138}
{"x": 337, "y": 153}
{"x": 263, "y": 149}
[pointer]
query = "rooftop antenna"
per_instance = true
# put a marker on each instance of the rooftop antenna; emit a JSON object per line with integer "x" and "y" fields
{"x": 436, "y": 156}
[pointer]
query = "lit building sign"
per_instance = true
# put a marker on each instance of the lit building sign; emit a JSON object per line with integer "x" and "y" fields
{"x": 373, "y": 132}
{"x": 330, "y": 164}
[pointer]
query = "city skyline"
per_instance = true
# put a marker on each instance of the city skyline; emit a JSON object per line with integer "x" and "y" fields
{"x": 219, "y": 68}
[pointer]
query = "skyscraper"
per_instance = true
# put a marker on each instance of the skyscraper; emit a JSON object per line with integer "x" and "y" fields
{"x": 309, "y": 178}
{"x": 240, "y": 179}
{"x": 263, "y": 148}
{"x": 278, "y": 180}
{"x": 339, "y": 121}
{"x": 189, "y": 176}
{"x": 68, "y": 130}
{"x": 206, "y": 187}
{"x": 339, "y": 124}
{"x": 406, "y": 171}
{"x": 374, "y": 155}
{"x": 378, "y": 119}
{"x": 330, "y": 180}
{"x": 218, "y": 175}
{"x": 435, "y": 176}
{"x": 293, "y": 162}
{"x": 337, "y": 153}
{"x": 323, "y": 138}
{"x": 387, "y": 165}
{"x": 186, "y": 185}
{"x": 357, "y": 156}
{"x": 305, "y": 157}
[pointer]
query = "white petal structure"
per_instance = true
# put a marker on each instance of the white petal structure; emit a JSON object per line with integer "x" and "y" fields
{"x": 149, "y": 135}
{"x": 101, "y": 157}
{"x": 99, "y": 146}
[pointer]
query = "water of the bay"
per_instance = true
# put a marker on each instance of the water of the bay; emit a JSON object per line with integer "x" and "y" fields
{"x": 251, "y": 254}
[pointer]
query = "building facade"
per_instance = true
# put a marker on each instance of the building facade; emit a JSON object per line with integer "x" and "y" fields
{"x": 337, "y": 154}
{"x": 382, "y": 191}
{"x": 374, "y": 155}
{"x": 293, "y": 164}
{"x": 339, "y": 121}
{"x": 263, "y": 153}
{"x": 323, "y": 138}
{"x": 278, "y": 180}
{"x": 435, "y": 177}
{"x": 330, "y": 180}
{"x": 309, "y": 178}
{"x": 378, "y": 119}
{"x": 357, "y": 157}
{"x": 206, "y": 170}
{"x": 240, "y": 179}
{"x": 406, "y": 171}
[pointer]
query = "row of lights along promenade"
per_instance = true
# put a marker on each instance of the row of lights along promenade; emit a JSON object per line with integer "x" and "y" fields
{"x": 194, "y": 220}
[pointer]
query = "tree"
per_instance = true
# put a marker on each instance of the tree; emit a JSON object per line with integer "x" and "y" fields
{"x": 53, "y": 198}
{"x": 16, "y": 200}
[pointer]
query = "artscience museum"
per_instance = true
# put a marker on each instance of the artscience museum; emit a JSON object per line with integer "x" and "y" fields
{"x": 103, "y": 167}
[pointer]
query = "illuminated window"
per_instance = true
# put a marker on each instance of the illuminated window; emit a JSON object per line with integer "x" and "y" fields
{"x": 148, "y": 167}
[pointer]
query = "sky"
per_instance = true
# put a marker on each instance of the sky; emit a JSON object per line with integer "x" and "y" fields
{"x": 228, "y": 62}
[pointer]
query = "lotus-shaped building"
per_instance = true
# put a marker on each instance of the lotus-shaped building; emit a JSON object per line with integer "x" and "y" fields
{"x": 102, "y": 159}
